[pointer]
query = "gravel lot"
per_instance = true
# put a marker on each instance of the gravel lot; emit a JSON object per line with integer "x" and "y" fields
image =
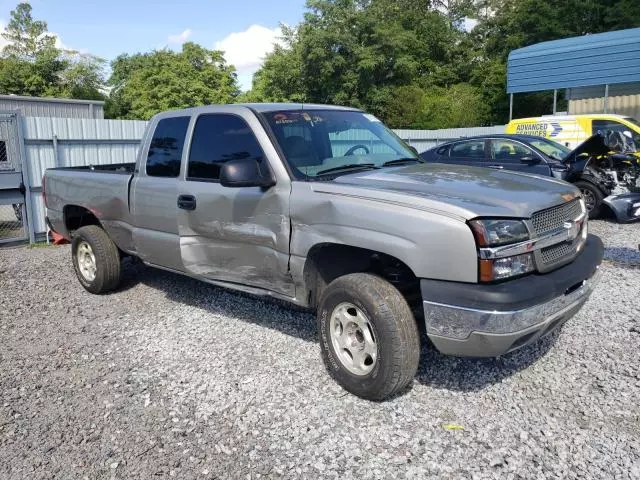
{"x": 172, "y": 377}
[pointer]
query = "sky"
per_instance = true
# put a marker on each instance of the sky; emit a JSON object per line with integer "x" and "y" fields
{"x": 245, "y": 29}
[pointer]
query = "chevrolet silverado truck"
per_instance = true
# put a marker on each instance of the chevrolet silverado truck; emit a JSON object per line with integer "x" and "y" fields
{"x": 325, "y": 208}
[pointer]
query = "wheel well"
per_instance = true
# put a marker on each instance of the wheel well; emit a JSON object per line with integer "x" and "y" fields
{"x": 76, "y": 217}
{"x": 326, "y": 262}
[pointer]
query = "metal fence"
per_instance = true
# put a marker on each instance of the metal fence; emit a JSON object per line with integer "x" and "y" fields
{"x": 64, "y": 142}
{"x": 12, "y": 205}
{"x": 425, "y": 139}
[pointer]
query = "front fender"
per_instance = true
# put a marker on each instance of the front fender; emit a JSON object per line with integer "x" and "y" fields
{"x": 432, "y": 245}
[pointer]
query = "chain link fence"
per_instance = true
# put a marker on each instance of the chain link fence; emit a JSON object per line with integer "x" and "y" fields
{"x": 12, "y": 223}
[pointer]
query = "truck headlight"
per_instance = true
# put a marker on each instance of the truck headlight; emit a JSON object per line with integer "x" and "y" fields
{"x": 493, "y": 233}
{"x": 506, "y": 267}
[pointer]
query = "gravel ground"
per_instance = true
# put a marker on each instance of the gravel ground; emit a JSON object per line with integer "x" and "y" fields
{"x": 172, "y": 377}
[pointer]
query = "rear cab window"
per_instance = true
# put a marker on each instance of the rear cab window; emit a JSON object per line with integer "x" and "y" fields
{"x": 468, "y": 149}
{"x": 165, "y": 150}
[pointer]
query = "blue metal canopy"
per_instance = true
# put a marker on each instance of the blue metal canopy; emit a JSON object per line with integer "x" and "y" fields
{"x": 601, "y": 59}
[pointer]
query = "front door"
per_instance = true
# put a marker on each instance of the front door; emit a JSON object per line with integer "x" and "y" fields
{"x": 512, "y": 155}
{"x": 238, "y": 235}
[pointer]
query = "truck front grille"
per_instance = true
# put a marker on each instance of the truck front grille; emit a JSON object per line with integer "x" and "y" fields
{"x": 546, "y": 221}
{"x": 553, "y": 220}
{"x": 557, "y": 253}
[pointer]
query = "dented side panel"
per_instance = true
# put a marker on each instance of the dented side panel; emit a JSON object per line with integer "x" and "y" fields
{"x": 433, "y": 245}
{"x": 237, "y": 235}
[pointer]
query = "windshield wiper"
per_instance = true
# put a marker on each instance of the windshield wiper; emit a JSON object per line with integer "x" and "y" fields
{"x": 350, "y": 166}
{"x": 401, "y": 161}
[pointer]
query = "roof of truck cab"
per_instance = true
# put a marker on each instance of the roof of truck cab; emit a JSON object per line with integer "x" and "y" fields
{"x": 272, "y": 107}
{"x": 258, "y": 107}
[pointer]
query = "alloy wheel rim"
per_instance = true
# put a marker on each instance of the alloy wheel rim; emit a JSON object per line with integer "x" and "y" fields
{"x": 86, "y": 261}
{"x": 353, "y": 339}
{"x": 589, "y": 198}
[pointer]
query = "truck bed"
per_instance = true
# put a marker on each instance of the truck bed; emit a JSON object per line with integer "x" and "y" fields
{"x": 102, "y": 190}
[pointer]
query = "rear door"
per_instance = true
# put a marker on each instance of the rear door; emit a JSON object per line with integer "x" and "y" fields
{"x": 468, "y": 152}
{"x": 510, "y": 154}
{"x": 154, "y": 191}
{"x": 238, "y": 235}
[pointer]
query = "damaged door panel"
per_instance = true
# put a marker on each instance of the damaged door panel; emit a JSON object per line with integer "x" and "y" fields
{"x": 238, "y": 235}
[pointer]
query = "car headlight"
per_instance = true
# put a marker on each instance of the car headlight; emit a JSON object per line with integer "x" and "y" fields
{"x": 506, "y": 267}
{"x": 493, "y": 233}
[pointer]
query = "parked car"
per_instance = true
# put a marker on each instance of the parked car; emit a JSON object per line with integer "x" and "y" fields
{"x": 326, "y": 208}
{"x": 604, "y": 178}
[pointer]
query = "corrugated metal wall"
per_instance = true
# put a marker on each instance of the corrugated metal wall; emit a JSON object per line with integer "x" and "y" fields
{"x": 52, "y": 107}
{"x": 624, "y": 99}
{"x": 425, "y": 139}
{"x": 66, "y": 142}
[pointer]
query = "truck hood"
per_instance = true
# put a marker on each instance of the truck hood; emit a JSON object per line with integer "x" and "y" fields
{"x": 462, "y": 191}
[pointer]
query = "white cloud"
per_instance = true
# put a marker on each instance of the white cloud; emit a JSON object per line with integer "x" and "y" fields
{"x": 3, "y": 42}
{"x": 246, "y": 50}
{"x": 180, "y": 38}
{"x": 469, "y": 24}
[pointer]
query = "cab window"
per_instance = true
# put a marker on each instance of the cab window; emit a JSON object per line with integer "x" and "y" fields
{"x": 218, "y": 138}
{"x": 165, "y": 150}
{"x": 468, "y": 149}
{"x": 504, "y": 150}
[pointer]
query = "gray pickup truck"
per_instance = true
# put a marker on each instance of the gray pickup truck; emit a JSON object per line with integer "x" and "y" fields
{"x": 326, "y": 208}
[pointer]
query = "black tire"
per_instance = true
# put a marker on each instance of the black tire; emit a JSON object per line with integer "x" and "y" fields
{"x": 593, "y": 197}
{"x": 394, "y": 329}
{"x": 107, "y": 259}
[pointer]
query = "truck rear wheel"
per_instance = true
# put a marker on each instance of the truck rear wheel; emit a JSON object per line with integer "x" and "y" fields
{"x": 96, "y": 259}
{"x": 368, "y": 336}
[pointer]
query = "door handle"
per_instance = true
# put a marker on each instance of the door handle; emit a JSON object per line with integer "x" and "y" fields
{"x": 497, "y": 167}
{"x": 187, "y": 202}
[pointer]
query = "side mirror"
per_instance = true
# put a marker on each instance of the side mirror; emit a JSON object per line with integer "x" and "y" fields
{"x": 246, "y": 172}
{"x": 530, "y": 160}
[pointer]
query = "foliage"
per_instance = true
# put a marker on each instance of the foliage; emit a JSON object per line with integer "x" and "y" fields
{"x": 31, "y": 64}
{"x": 412, "y": 63}
{"x": 148, "y": 83}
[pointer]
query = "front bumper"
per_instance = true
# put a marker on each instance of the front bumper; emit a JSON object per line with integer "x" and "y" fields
{"x": 478, "y": 320}
{"x": 626, "y": 207}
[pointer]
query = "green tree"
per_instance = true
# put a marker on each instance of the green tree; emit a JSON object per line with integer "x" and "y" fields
{"x": 145, "y": 84}
{"x": 31, "y": 64}
{"x": 280, "y": 78}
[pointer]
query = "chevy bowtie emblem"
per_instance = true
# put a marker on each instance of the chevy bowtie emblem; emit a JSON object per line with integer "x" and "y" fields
{"x": 572, "y": 229}
{"x": 568, "y": 197}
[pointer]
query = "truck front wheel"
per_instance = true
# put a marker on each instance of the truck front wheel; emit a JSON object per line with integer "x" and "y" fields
{"x": 96, "y": 259}
{"x": 368, "y": 336}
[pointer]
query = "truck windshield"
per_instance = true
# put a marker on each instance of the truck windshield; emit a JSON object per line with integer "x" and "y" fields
{"x": 334, "y": 142}
{"x": 550, "y": 148}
